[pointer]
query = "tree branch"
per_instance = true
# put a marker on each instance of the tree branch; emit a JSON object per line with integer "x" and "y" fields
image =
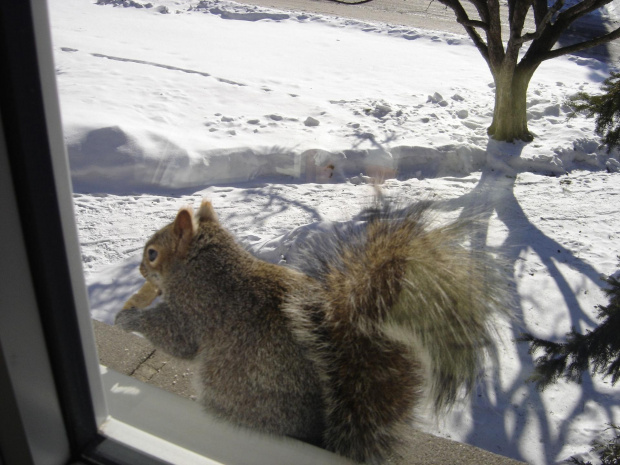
{"x": 481, "y": 8}
{"x": 469, "y": 25}
{"x": 540, "y": 9}
{"x": 473, "y": 23}
{"x": 581, "y": 8}
{"x": 354, "y": 2}
{"x": 547, "y": 13}
{"x": 462, "y": 16}
{"x": 512, "y": 8}
{"x": 494, "y": 35}
{"x": 581, "y": 45}
{"x": 541, "y": 25}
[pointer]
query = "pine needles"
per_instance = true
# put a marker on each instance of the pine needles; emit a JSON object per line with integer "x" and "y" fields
{"x": 604, "y": 107}
{"x": 598, "y": 349}
{"x": 608, "y": 453}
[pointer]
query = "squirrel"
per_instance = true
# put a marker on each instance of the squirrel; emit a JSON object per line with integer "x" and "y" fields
{"x": 337, "y": 350}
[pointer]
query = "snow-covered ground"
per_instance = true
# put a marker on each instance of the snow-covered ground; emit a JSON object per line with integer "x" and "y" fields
{"x": 283, "y": 118}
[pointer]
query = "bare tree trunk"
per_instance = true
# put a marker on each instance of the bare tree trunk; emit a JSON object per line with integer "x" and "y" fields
{"x": 552, "y": 18}
{"x": 510, "y": 112}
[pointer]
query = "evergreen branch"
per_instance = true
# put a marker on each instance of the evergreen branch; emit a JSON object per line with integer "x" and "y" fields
{"x": 598, "y": 349}
{"x": 608, "y": 453}
{"x": 606, "y": 109}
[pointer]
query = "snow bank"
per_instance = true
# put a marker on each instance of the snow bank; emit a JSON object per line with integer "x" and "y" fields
{"x": 110, "y": 160}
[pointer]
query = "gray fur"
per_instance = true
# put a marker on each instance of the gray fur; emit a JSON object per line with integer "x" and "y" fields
{"x": 330, "y": 352}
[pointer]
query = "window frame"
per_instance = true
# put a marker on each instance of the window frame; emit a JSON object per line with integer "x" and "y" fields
{"x": 56, "y": 403}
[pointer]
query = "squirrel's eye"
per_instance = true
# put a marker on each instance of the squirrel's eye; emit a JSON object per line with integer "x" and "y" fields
{"x": 151, "y": 254}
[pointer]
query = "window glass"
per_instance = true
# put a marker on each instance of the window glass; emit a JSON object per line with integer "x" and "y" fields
{"x": 289, "y": 120}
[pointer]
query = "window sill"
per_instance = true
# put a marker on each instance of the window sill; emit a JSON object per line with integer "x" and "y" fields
{"x": 178, "y": 430}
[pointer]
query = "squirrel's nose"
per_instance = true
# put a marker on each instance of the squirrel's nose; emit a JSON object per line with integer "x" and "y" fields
{"x": 142, "y": 270}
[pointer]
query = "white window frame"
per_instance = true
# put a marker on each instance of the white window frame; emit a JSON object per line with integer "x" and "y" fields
{"x": 57, "y": 405}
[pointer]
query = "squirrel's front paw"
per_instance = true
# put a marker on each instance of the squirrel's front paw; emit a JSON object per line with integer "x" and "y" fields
{"x": 144, "y": 297}
{"x": 128, "y": 319}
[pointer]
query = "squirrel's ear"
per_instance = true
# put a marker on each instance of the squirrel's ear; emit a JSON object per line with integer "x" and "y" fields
{"x": 184, "y": 229}
{"x": 206, "y": 212}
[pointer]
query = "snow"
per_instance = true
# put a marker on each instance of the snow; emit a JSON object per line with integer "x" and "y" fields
{"x": 284, "y": 119}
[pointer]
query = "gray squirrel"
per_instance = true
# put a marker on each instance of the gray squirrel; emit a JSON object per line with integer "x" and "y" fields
{"x": 338, "y": 350}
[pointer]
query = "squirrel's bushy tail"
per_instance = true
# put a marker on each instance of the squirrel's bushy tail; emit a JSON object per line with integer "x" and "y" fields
{"x": 398, "y": 303}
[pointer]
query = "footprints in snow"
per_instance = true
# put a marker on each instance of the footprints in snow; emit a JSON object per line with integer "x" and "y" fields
{"x": 157, "y": 65}
{"x": 451, "y": 113}
{"x": 395, "y": 118}
{"x": 231, "y": 124}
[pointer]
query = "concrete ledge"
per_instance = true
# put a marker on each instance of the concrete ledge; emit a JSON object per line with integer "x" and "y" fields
{"x": 134, "y": 356}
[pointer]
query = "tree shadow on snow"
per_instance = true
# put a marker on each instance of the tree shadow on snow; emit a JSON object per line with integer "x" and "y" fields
{"x": 109, "y": 289}
{"x": 276, "y": 204}
{"x": 504, "y": 432}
